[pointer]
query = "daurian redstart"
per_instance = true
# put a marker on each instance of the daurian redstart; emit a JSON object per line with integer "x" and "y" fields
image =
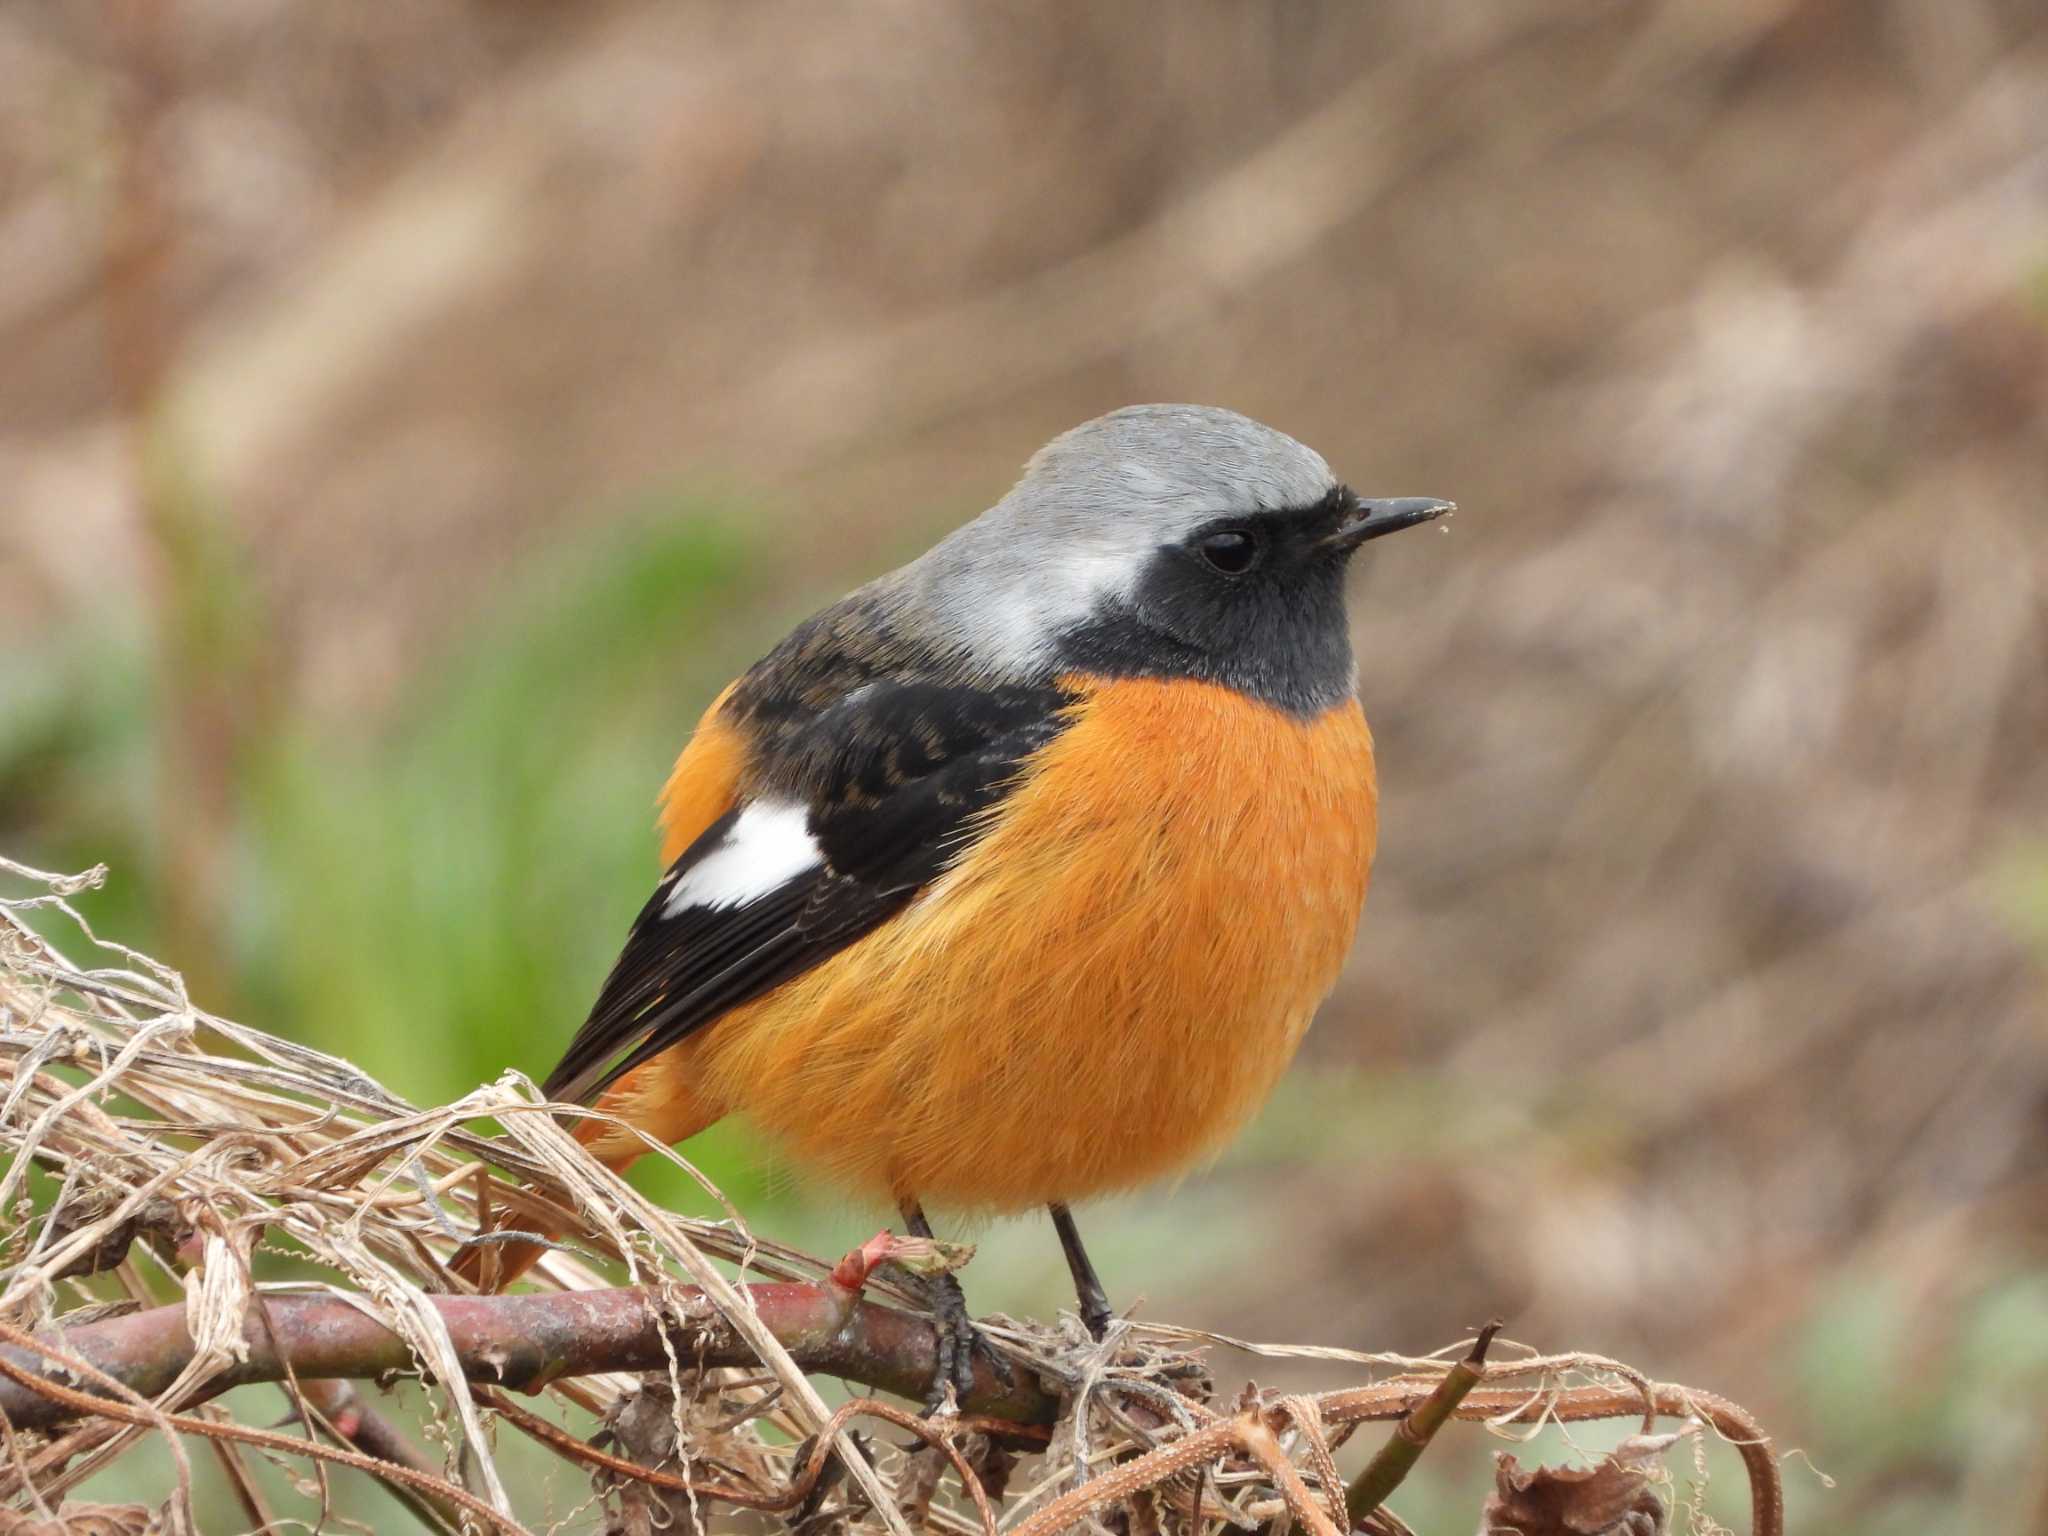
{"x": 1015, "y": 876}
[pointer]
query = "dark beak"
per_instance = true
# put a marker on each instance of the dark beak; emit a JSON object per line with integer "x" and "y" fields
{"x": 1374, "y": 518}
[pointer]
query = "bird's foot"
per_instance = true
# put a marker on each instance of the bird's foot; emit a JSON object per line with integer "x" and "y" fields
{"x": 959, "y": 1342}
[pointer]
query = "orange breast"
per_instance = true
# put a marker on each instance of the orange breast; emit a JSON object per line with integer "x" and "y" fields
{"x": 1102, "y": 991}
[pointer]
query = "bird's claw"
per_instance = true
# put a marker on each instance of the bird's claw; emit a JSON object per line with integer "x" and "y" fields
{"x": 959, "y": 1342}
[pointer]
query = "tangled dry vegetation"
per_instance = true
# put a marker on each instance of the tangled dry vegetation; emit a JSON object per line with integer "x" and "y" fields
{"x": 155, "y": 1150}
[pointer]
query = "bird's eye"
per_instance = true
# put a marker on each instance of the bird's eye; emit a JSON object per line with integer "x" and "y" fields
{"x": 1229, "y": 550}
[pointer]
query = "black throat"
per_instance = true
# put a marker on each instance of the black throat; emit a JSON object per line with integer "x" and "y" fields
{"x": 1278, "y": 633}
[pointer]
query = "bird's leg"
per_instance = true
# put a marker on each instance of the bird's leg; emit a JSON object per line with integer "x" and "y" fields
{"x": 959, "y": 1339}
{"x": 1087, "y": 1284}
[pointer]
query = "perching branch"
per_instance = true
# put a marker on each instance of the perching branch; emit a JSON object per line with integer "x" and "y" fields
{"x": 524, "y": 1342}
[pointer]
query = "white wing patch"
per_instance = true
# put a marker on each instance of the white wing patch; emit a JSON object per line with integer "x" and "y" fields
{"x": 768, "y": 845}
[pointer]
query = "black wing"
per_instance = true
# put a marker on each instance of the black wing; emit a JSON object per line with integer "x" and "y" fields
{"x": 888, "y": 783}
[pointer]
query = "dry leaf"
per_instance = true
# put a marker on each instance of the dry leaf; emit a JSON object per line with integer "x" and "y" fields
{"x": 918, "y": 1484}
{"x": 1612, "y": 1498}
{"x": 83, "y": 1520}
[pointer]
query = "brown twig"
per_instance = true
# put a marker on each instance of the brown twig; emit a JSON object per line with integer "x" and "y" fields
{"x": 1575, "y": 1405}
{"x": 243, "y": 1482}
{"x": 337, "y": 1409}
{"x": 620, "y": 1330}
{"x": 1415, "y": 1429}
{"x": 1251, "y": 1433}
{"x": 800, "y": 1487}
{"x": 525, "y": 1341}
{"x": 566, "y": 1445}
{"x": 155, "y": 1418}
{"x": 1257, "y": 1438}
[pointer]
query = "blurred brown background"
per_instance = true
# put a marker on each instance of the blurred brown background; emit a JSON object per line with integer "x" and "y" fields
{"x": 410, "y": 413}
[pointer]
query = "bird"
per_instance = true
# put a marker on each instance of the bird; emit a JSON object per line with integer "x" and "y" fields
{"x": 1015, "y": 876}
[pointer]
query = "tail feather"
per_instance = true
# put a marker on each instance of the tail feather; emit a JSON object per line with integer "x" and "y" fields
{"x": 660, "y": 1098}
{"x": 492, "y": 1266}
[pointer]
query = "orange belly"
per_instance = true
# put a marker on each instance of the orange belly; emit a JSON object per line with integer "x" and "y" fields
{"x": 1104, "y": 989}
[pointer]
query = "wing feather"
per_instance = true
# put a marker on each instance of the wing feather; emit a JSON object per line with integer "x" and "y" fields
{"x": 895, "y": 783}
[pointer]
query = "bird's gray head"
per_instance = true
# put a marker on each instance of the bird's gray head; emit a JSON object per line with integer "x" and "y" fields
{"x": 1175, "y": 540}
